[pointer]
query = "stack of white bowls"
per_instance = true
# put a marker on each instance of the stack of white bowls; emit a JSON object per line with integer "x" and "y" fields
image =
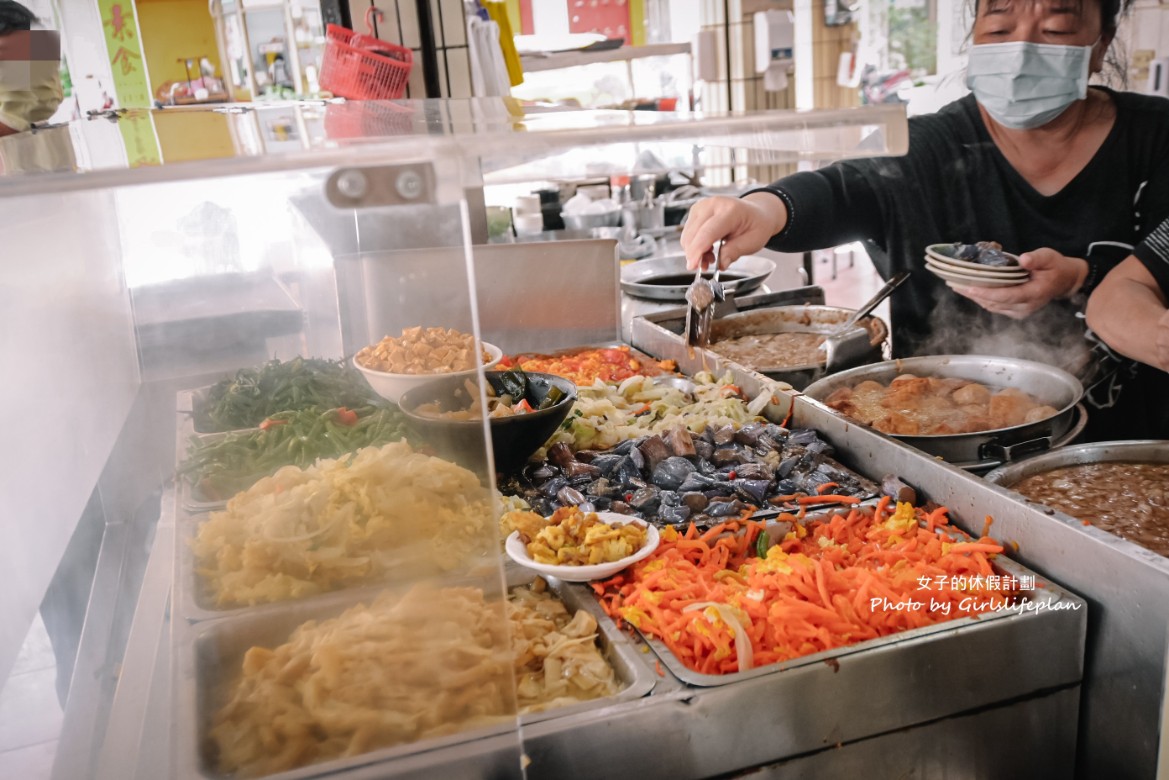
{"x": 940, "y": 260}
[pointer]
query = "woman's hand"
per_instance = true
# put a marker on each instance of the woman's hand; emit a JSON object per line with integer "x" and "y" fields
{"x": 1053, "y": 276}
{"x": 744, "y": 225}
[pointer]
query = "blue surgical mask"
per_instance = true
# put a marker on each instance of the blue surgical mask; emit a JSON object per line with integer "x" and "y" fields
{"x": 1025, "y": 85}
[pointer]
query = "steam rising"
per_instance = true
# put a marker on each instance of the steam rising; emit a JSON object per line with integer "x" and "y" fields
{"x": 1052, "y": 335}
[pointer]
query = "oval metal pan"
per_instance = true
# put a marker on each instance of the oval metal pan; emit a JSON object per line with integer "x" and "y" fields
{"x": 634, "y": 276}
{"x": 1050, "y": 385}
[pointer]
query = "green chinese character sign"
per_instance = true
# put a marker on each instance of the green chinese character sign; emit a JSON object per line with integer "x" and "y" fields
{"x": 125, "y": 52}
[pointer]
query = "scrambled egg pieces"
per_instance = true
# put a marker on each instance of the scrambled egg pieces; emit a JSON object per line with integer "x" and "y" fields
{"x": 571, "y": 537}
{"x": 423, "y": 351}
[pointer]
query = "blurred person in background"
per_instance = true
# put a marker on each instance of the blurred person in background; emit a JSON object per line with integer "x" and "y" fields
{"x": 30, "y": 76}
{"x": 1069, "y": 177}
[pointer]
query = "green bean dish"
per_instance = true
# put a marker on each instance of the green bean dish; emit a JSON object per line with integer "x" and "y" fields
{"x": 254, "y": 394}
{"x": 218, "y": 469}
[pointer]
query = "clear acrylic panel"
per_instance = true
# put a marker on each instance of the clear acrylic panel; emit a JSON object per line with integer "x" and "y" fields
{"x": 292, "y": 232}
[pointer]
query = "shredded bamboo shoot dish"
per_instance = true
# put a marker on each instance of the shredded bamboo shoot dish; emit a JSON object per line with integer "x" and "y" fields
{"x": 430, "y": 663}
{"x": 380, "y": 513}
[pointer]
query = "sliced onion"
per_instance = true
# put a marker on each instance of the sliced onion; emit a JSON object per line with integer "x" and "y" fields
{"x": 629, "y": 382}
{"x": 759, "y": 403}
{"x": 744, "y": 653}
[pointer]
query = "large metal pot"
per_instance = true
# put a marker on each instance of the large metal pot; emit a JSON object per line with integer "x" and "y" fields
{"x": 1131, "y": 451}
{"x": 864, "y": 345}
{"x": 986, "y": 449}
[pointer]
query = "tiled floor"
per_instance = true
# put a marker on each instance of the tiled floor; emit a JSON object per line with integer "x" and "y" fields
{"x": 30, "y": 717}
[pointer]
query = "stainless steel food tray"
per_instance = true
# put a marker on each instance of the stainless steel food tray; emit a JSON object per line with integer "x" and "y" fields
{"x": 660, "y": 334}
{"x": 191, "y": 598}
{"x": 184, "y": 408}
{"x": 187, "y": 400}
{"x": 634, "y": 352}
{"x": 188, "y": 600}
{"x": 1044, "y": 595}
{"x": 209, "y": 652}
{"x": 191, "y": 499}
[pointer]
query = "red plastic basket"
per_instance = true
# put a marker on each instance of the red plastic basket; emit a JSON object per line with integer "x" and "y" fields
{"x": 361, "y": 67}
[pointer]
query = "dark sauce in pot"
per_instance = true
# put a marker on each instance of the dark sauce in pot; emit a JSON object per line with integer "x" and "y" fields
{"x": 774, "y": 350}
{"x": 1130, "y": 500}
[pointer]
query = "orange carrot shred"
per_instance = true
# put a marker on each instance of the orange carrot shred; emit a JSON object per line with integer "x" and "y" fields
{"x": 828, "y": 498}
{"x": 840, "y": 582}
{"x": 986, "y": 525}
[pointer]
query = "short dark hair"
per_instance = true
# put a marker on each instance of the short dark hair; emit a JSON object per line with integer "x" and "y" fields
{"x": 1110, "y": 12}
{"x": 14, "y": 17}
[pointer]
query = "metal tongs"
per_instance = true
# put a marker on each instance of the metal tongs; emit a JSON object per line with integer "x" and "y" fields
{"x": 702, "y": 295}
{"x": 848, "y": 341}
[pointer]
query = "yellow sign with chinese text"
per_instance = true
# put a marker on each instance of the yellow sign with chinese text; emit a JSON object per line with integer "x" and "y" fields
{"x": 141, "y": 139}
{"x": 124, "y": 47}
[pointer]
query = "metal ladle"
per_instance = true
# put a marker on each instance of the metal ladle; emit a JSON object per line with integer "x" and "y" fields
{"x": 866, "y": 308}
{"x": 846, "y": 342}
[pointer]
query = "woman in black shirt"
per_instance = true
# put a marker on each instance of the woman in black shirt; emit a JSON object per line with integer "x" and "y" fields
{"x": 1067, "y": 177}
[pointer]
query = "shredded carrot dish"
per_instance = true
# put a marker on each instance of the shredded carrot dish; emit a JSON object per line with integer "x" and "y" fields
{"x": 853, "y": 576}
{"x": 585, "y": 366}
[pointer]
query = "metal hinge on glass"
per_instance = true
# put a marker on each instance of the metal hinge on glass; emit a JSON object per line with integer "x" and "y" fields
{"x": 384, "y": 185}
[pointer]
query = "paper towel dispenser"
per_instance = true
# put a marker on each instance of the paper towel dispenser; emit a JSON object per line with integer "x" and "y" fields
{"x": 837, "y": 12}
{"x": 775, "y": 36}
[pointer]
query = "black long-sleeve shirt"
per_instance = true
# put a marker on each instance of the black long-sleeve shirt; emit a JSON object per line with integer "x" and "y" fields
{"x": 954, "y": 185}
{"x": 1153, "y": 253}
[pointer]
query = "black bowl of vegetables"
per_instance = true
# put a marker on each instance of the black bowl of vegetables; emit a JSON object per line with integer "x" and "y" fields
{"x": 524, "y": 409}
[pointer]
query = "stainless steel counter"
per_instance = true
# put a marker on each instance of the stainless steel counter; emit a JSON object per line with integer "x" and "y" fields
{"x": 1126, "y": 586}
{"x": 914, "y": 702}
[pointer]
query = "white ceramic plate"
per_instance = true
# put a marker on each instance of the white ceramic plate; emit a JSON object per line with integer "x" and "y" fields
{"x": 969, "y": 280}
{"x": 942, "y": 252}
{"x": 978, "y": 270}
{"x": 518, "y": 552}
